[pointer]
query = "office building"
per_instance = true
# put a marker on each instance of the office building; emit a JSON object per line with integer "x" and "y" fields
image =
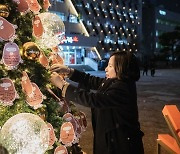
{"x": 157, "y": 17}
{"x": 95, "y": 28}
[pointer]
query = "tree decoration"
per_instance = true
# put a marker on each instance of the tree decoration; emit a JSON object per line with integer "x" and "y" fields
{"x": 4, "y": 11}
{"x": 11, "y": 56}
{"x": 37, "y": 27}
{"x": 25, "y": 133}
{"x": 23, "y": 6}
{"x": 21, "y": 133}
{"x": 31, "y": 50}
{"x": 54, "y": 30}
{"x": 7, "y": 92}
{"x": 7, "y": 30}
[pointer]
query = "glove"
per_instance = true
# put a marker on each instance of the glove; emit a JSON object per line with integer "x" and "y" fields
{"x": 57, "y": 80}
{"x": 61, "y": 69}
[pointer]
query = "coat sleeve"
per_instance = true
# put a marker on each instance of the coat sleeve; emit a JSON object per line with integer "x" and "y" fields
{"x": 114, "y": 96}
{"x": 86, "y": 80}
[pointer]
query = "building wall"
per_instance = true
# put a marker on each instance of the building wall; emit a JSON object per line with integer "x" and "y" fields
{"x": 115, "y": 24}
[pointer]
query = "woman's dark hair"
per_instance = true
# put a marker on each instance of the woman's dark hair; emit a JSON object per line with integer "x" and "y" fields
{"x": 126, "y": 66}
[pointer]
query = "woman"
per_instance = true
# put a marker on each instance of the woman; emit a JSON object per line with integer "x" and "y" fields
{"x": 114, "y": 104}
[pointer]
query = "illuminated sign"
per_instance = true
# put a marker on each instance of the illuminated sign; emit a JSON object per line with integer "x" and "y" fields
{"x": 162, "y": 12}
{"x": 69, "y": 39}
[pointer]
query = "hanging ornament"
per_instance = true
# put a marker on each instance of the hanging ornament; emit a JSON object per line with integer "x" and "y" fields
{"x": 7, "y": 30}
{"x": 37, "y": 27}
{"x": 11, "y": 56}
{"x": 25, "y": 133}
{"x": 46, "y": 5}
{"x": 52, "y": 136}
{"x": 61, "y": 150}
{"x": 34, "y": 6}
{"x": 55, "y": 58}
{"x": 26, "y": 84}
{"x": 4, "y": 11}
{"x": 23, "y": 6}
{"x": 67, "y": 134}
{"x": 84, "y": 120}
{"x": 7, "y": 92}
{"x": 54, "y": 29}
{"x": 31, "y": 50}
{"x": 43, "y": 60}
{"x": 36, "y": 98}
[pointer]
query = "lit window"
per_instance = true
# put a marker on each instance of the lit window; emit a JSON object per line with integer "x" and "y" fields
{"x": 60, "y": 14}
{"x": 73, "y": 18}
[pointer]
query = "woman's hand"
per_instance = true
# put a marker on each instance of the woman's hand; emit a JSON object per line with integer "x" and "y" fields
{"x": 57, "y": 80}
{"x": 60, "y": 69}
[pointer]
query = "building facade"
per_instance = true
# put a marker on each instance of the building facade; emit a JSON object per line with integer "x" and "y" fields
{"x": 157, "y": 17}
{"x": 95, "y": 28}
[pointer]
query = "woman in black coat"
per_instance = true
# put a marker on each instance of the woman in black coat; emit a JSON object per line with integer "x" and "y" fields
{"x": 114, "y": 105}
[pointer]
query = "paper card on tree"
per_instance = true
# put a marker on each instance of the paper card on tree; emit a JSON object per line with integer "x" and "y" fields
{"x": 7, "y": 92}
{"x": 84, "y": 120}
{"x": 11, "y": 56}
{"x": 55, "y": 58}
{"x": 70, "y": 118}
{"x": 52, "y": 137}
{"x": 60, "y": 150}
{"x": 7, "y": 30}
{"x": 78, "y": 130}
{"x": 37, "y": 27}
{"x": 46, "y": 5}
{"x": 43, "y": 60}
{"x": 26, "y": 84}
{"x": 34, "y": 6}
{"x": 36, "y": 98}
{"x": 22, "y": 6}
{"x": 67, "y": 134}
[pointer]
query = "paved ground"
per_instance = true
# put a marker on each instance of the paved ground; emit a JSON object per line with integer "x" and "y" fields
{"x": 153, "y": 94}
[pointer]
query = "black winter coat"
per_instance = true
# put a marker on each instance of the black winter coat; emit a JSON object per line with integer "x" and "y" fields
{"x": 114, "y": 112}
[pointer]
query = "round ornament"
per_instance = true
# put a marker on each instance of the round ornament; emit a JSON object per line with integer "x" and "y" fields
{"x": 4, "y": 11}
{"x": 25, "y": 133}
{"x": 31, "y": 50}
{"x": 54, "y": 30}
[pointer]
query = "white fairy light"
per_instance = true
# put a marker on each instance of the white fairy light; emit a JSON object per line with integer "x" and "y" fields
{"x": 54, "y": 30}
{"x": 25, "y": 133}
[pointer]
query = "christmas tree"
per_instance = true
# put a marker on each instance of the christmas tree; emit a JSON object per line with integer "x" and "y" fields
{"x": 32, "y": 112}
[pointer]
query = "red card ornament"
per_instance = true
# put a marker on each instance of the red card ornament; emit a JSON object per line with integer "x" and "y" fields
{"x": 7, "y": 92}
{"x": 43, "y": 60}
{"x": 22, "y": 6}
{"x": 70, "y": 118}
{"x": 37, "y": 27}
{"x": 67, "y": 134}
{"x": 61, "y": 150}
{"x": 52, "y": 137}
{"x": 56, "y": 59}
{"x": 7, "y": 30}
{"x": 34, "y": 6}
{"x": 79, "y": 129}
{"x": 36, "y": 98}
{"x": 46, "y": 5}
{"x": 11, "y": 56}
{"x": 84, "y": 120}
{"x": 26, "y": 84}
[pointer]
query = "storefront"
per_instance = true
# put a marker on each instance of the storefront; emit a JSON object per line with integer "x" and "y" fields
{"x": 76, "y": 47}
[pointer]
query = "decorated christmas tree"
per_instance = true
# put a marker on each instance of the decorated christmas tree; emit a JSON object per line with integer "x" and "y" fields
{"x": 34, "y": 118}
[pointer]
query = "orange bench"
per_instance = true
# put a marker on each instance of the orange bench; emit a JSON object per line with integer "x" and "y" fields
{"x": 168, "y": 142}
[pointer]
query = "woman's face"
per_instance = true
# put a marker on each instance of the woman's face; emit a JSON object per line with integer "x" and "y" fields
{"x": 110, "y": 70}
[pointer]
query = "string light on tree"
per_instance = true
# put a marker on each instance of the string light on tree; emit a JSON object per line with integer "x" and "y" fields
{"x": 54, "y": 30}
